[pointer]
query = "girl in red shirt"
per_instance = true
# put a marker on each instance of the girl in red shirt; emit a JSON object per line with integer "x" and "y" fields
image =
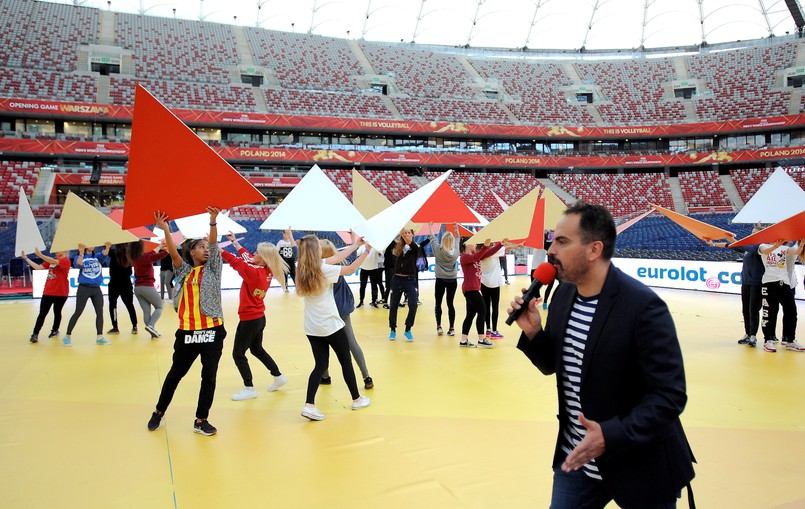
{"x": 256, "y": 271}
{"x": 471, "y": 288}
{"x": 56, "y": 290}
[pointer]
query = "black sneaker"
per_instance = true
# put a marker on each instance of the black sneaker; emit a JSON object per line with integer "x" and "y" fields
{"x": 373, "y": 304}
{"x": 744, "y": 340}
{"x": 402, "y": 304}
{"x": 155, "y": 421}
{"x": 34, "y": 339}
{"x": 326, "y": 380}
{"x": 360, "y": 304}
{"x": 368, "y": 383}
{"x": 113, "y": 330}
{"x": 53, "y": 334}
{"x": 204, "y": 427}
{"x": 385, "y": 306}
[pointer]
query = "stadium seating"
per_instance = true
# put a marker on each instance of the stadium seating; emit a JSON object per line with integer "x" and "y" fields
{"x": 703, "y": 189}
{"x": 182, "y": 94}
{"x": 623, "y": 194}
{"x": 476, "y": 189}
{"x": 48, "y": 85}
{"x": 322, "y": 103}
{"x": 16, "y": 174}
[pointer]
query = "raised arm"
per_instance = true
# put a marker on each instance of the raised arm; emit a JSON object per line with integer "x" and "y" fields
{"x": 342, "y": 254}
{"x": 79, "y": 261}
{"x": 162, "y": 223}
{"x": 30, "y": 262}
{"x": 213, "y": 238}
{"x": 355, "y": 265}
{"x": 772, "y": 247}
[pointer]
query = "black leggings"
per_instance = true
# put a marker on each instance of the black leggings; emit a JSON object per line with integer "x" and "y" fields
{"x": 475, "y": 305}
{"x": 249, "y": 336}
{"x": 320, "y": 345}
{"x": 126, "y": 294}
{"x": 44, "y": 307}
{"x": 83, "y": 294}
{"x": 750, "y": 306}
{"x": 449, "y": 286}
{"x": 374, "y": 277}
{"x": 491, "y": 303}
{"x": 209, "y": 345}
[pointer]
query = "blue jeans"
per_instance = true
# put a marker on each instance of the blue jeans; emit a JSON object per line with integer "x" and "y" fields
{"x": 576, "y": 490}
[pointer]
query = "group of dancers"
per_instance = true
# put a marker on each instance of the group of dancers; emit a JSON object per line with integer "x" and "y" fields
{"x": 318, "y": 276}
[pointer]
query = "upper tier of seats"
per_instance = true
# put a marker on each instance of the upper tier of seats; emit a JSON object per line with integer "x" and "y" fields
{"x": 623, "y": 195}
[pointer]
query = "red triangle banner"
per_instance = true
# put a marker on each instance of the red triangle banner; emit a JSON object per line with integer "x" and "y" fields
{"x": 141, "y": 232}
{"x": 536, "y": 235}
{"x": 444, "y": 206}
{"x": 173, "y": 170}
{"x": 789, "y": 229}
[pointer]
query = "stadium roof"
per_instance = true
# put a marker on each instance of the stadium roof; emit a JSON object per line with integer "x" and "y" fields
{"x": 506, "y": 24}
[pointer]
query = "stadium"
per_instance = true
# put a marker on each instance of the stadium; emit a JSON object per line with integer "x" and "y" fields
{"x": 696, "y": 127}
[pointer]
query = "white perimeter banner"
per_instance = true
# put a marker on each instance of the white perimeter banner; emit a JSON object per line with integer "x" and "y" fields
{"x": 229, "y": 278}
{"x": 719, "y": 277}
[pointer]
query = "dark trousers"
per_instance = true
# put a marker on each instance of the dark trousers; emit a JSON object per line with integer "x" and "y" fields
{"x": 320, "y": 345}
{"x": 389, "y": 273}
{"x": 44, "y": 308}
{"x": 504, "y": 266}
{"x": 491, "y": 306}
{"x": 374, "y": 277}
{"x": 185, "y": 351}
{"x": 577, "y": 490}
{"x": 126, "y": 294}
{"x": 291, "y": 270}
{"x": 475, "y": 308}
{"x": 83, "y": 294}
{"x": 773, "y": 296}
{"x": 750, "y": 307}
{"x": 400, "y": 285}
{"x": 249, "y": 336}
{"x": 446, "y": 286}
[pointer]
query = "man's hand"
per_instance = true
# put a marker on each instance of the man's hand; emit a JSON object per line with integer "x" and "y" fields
{"x": 590, "y": 447}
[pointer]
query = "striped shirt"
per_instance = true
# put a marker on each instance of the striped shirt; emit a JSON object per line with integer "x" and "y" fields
{"x": 190, "y": 315}
{"x": 578, "y": 327}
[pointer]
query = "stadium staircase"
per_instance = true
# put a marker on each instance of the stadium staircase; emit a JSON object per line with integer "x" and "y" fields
{"x": 44, "y": 183}
{"x": 563, "y": 195}
{"x": 676, "y": 194}
{"x": 732, "y": 192}
{"x": 107, "y": 35}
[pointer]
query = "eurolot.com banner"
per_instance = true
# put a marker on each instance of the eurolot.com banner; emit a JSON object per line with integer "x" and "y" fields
{"x": 229, "y": 278}
{"x": 718, "y": 277}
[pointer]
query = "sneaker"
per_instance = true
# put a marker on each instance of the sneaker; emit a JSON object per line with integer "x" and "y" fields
{"x": 134, "y": 330}
{"x": 744, "y": 340}
{"x": 245, "y": 393}
{"x": 113, "y": 330}
{"x": 361, "y": 402}
{"x": 402, "y": 304}
{"x": 393, "y": 335}
{"x": 488, "y": 333}
{"x": 507, "y": 282}
{"x": 53, "y": 334}
{"x": 360, "y": 304}
{"x": 151, "y": 330}
{"x": 775, "y": 339}
{"x": 752, "y": 341}
{"x": 485, "y": 343}
{"x": 496, "y": 335}
{"x": 204, "y": 427}
{"x": 385, "y": 306}
{"x": 312, "y": 413}
{"x": 34, "y": 339}
{"x": 373, "y": 304}
{"x": 101, "y": 341}
{"x": 408, "y": 336}
{"x": 66, "y": 341}
{"x": 368, "y": 383}
{"x": 451, "y": 331}
{"x": 279, "y": 381}
{"x": 439, "y": 330}
{"x": 794, "y": 346}
{"x": 769, "y": 346}
{"x": 286, "y": 290}
{"x": 155, "y": 421}
{"x": 466, "y": 344}
{"x": 326, "y": 380}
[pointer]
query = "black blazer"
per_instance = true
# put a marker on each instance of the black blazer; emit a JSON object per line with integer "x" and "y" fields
{"x": 632, "y": 384}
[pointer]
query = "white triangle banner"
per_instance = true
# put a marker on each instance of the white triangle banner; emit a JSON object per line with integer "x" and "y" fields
{"x": 778, "y": 198}
{"x": 315, "y": 204}
{"x": 28, "y": 236}
{"x": 198, "y": 226}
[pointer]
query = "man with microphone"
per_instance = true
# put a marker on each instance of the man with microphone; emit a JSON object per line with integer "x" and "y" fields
{"x": 612, "y": 344}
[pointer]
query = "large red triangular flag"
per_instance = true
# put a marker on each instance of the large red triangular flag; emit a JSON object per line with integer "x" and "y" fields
{"x": 443, "y": 206}
{"x": 173, "y": 170}
{"x": 536, "y": 234}
{"x": 789, "y": 229}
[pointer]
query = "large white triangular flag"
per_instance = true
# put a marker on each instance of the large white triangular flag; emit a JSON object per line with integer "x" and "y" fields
{"x": 315, "y": 204}
{"x": 28, "y": 237}
{"x": 198, "y": 226}
{"x": 384, "y": 226}
{"x": 778, "y": 198}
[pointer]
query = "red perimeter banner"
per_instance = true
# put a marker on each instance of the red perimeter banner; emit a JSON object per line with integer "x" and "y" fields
{"x": 287, "y": 155}
{"x": 57, "y": 109}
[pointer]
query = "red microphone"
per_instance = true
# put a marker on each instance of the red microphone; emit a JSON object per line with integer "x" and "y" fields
{"x": 544, "y": 274}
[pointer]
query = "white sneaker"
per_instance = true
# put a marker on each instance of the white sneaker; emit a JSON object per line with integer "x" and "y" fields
{"x": 794, "y": 345}
{"x": 361, "y": 402}
{"x": 279, "y": 381}
{"x": 312, "y": 413}
{"x": 246, "y": 393}
{"x": 768, "y": 346}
